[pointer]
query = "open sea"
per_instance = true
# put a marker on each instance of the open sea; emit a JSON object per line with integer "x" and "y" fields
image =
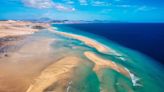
{"x": 147, "y": 38}
{"x": 141, "y": 51}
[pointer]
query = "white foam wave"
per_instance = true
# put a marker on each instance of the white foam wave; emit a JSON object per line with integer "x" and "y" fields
{"x": 55, "y": 28}
{"x": 69, "y": 86}
{"x": 134, "y": 78}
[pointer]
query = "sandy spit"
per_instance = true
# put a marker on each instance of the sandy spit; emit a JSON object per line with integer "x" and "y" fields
{"x": 88, "y": 41}
{"x": 58, "y": 72}
{"x": 103, "y": 63}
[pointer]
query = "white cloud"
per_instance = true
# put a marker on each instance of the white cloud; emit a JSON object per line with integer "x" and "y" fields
{"x": 69, "y": 1}
{"x": 106, "y": 11}
{"x": 44, "y": 4}
{"x": 101, "y": 3}
{"x": 83, "y": 2}
{"x": 124, "y": 6}
{"x": 40, "y": 4}
{"x": 63, "y": 8}
{"x": 144, "y": 8}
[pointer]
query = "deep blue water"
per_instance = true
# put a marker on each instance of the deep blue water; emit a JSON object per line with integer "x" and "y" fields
{"x": 147, "y": 38}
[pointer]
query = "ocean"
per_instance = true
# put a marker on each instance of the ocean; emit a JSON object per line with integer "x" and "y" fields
{"x": 136, "y": 47}
{"x": 147, "y": 38}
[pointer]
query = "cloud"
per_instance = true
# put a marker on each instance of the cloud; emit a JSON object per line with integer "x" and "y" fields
{"x": 106, "y": 11}
{"x": 61, "y": 7}
{"x": 70, "y": 2}
{"x": 40, "y": 4}
{"x": 45, "y": 4}
{"x": 124, "y": 6}
{"x": 101, "y": 3}
{"x": 144, "y": 8}
{"x": 83, "y": 2}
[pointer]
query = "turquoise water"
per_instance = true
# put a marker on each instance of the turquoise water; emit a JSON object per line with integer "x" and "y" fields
{"x": 146, "y": 74}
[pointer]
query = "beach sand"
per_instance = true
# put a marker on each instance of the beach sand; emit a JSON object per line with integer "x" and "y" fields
{"x": 34, "y": 66}
{"x": 17, "y": 28}
{"x": 18, "y": 70}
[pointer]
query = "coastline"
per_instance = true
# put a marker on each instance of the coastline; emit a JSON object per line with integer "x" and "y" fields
{"x": 99, "y": 62}
{"x": 88, "y": 41}
{"x": 45, "y": 67}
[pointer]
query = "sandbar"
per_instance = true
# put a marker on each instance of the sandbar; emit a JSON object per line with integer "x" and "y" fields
{"x": 59, "y": 73}
{"x": 103, "y": 63}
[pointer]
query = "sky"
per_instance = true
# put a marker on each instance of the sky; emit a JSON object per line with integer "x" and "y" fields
{"x": 112, "y": 10}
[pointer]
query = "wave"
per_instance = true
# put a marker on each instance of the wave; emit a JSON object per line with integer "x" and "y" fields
{"x": 69, "y": 86}
{"x": 134, "y": 78}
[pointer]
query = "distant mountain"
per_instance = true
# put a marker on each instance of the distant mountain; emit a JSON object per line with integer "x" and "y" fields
{"x": 45, "y": 20}
{"x": 49, "y": 20}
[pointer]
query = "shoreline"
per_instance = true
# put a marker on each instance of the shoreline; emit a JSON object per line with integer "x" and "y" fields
{"x": 88, "y": 41}
{"x": 50, "y": 70}
{"x": 100, "y": 47}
